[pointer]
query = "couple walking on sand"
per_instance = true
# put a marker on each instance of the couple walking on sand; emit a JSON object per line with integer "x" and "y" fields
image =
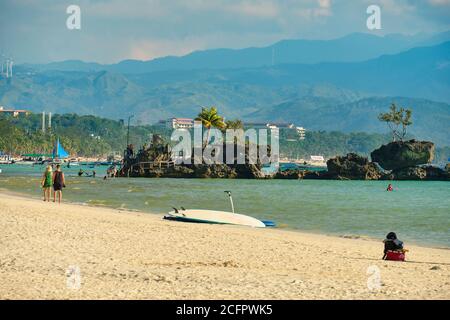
{"x": 55, "y": 179}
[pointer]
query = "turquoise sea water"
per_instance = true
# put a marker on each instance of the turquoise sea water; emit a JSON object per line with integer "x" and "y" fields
{"x": 418, "y": 211}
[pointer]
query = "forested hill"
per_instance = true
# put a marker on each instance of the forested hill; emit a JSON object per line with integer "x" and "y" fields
{"x": 315, "y": 95}
{"x": 95, "y": 136}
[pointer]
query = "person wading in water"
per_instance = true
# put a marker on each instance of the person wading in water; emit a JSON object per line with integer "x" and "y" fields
{"x": 58, "y": 183}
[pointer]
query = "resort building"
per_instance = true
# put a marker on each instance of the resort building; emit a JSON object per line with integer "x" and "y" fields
{"x": 317, "y": 159}
{"x": 14, "y": 113}
{"x": 178, "y": 123}
{"x": 298, "y": 133}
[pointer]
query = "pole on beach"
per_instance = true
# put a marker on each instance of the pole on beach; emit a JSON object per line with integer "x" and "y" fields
{"x": 231, "y": 200}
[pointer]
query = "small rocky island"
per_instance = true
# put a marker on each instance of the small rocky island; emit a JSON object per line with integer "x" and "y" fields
{"x": 155, "y": 161}
{"x": 399, "y": 160}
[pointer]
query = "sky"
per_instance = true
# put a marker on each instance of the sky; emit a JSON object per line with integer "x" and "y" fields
{"x": 35, "y": 31}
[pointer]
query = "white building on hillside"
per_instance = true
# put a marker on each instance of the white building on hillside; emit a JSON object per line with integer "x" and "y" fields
{"x": 179, "y": 123}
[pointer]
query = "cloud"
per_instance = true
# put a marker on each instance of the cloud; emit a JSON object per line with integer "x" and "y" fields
{"x": 439, "y": 2}
{"x": 324, "y": 3}
{"x": 260, "y": 9}
{"x": 397, "y": 7}
{"x": 113, "y": 30}
{"x": 154, "y": 48}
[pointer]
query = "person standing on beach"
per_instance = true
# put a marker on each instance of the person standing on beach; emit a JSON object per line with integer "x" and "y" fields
{"x": 58, "y": 183}
{"x": 46, "y": 182}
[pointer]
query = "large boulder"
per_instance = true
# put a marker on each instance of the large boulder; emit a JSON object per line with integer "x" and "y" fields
{"x": 410, "y": 173}
{"x": 313, "y": 175}
{"x": 249, "y": 171}
{"x": 352, "y": 167}
{"x": 435, "y": 173}
{"x": 403, "y": 154}
{"x": 288, "y": 174}
{"x": 214, "y": 171}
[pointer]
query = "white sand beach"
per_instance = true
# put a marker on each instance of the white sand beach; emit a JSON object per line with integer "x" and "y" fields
{"x": 131, "y": 255}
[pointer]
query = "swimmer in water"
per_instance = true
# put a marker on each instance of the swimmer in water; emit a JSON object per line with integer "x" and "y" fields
{"x": 390, "y": 188}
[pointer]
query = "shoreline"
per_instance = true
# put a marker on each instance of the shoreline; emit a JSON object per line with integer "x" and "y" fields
{"x": 283, "y": 228}
{"x": 134, "y": 255}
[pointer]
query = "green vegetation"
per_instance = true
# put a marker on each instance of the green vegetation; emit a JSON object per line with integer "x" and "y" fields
{"x": 398, "y": 120}
{"x": 210, "y": 118}
{"x": 234, "y": 124}
{"x": 80, "y": 135}
{"x": 329, "y": 143}
{"x": 94, "y": 136}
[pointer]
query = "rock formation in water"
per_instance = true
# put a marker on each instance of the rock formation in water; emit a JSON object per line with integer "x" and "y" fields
{"x": 352, "y": 167}
{"x": 403, "y": 154}
{"x": 290, "y": 174}
{"x": 421, "y": 173}
{"x": 155, "y": 161}
{"x": 394, "y": 161}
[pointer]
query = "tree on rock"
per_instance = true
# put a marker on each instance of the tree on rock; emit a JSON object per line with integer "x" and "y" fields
{"x": 398, "y": 121}
{"x": 210, "y": 119}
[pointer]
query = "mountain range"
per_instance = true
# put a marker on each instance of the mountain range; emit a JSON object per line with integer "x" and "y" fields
{"x": 355, "y": 47}
{"x": 337, "y": 84}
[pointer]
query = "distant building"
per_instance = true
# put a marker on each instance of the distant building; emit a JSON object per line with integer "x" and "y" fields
{"x": 178, "y": 123}
{"x": 301, "y": 132}
{"x": 14, "y": 113}
{"x": 256, "y": 125}
{"x": 317, "y": 158}
{"x": 271, "y": 125}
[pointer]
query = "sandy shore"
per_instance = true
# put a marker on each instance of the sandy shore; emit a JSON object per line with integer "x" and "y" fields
{"x": 126, "y": 255}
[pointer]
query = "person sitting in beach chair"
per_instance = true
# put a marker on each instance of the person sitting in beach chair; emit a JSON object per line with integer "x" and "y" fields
{"x": 393, "y": 248}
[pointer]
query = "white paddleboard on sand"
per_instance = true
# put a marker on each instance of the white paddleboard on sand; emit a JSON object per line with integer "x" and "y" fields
{"x": 211, "y": 216}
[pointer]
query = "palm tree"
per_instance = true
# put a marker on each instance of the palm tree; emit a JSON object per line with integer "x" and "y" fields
{"x": 210, "y": 119}
{"x": 234, "y": 124}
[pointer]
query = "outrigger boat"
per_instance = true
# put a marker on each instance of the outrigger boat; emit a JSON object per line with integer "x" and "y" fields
{"x": 216, "y": 217}
{"x": 6, "y": 159}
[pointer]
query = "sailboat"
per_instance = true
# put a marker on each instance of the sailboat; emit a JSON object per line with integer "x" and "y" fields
{"x": 59, "y": 153}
